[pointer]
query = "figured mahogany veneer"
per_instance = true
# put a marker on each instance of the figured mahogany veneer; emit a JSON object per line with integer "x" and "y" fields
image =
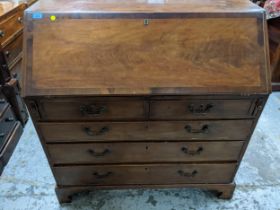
{"x": 134, "y": 94}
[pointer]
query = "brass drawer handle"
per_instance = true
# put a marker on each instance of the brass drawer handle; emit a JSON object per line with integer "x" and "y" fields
{"x": 9, "y": 119}
{"x": 90, "y": 132}
{"x": 202, "y": 109}
{"x": 2, "y": 33}
{"x": 187, "y": 174}
{"x": 203, "y": 129}
{"x": 93, "y": 110}
{"x": 102, "y": 176}
{"x": 99, "y": 154}
{"x": 20, "y": 19}
{"x": 192, "y": 152}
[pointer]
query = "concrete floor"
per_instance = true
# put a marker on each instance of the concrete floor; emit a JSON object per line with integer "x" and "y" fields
{"x": 27, "y": 182}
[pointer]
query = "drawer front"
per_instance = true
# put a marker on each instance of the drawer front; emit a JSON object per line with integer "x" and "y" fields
{"x": 11, "y": 142}
{"x": 92, "y": 109}
{"x": 130, "y": 131}
{"x": 10, "y": 27}
{"x": 13, "y": 51}
{"x": 199, "y": 109}
{"x": 3, "y": 105}
{"x": 7, "y": 124}
{"x": 144, "y": 174}
{"x": 144, "y": 152}
{"x": 11, "y": 91}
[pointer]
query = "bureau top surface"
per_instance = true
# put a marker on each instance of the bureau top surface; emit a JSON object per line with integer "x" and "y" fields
{"x": 127, "y": 6}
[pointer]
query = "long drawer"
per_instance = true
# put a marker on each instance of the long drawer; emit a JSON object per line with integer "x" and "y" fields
{"x": 144, "y": 174}
{"x": 92, "y": 108}
{"x": 137, "y": 131}
{"x": 144, "y": 152}
{"x": 202, "y": 109}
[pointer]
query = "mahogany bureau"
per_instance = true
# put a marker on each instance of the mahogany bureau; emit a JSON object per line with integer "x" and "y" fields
{"x": 136, "y": 94}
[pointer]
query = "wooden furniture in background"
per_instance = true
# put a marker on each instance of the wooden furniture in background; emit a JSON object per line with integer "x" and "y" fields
{"x": 10, "y": 131}
{"x": 11, "y": 40}
{"x": 129, "y": 94}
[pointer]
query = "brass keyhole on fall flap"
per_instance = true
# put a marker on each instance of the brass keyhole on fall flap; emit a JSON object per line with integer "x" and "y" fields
{"x": 146, "y": 22}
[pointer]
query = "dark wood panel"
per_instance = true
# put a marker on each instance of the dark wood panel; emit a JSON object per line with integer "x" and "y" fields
{"x": 11, "y": 90}
{"x": 144, "y": 152}
{"x": 13, "y": 52}
{"x": 202, "y": 109}
{"x": 7, "y": 124}
{"x": 3, "y": 104}
{"x": 132, "y": 131}
{"x": 144, "y": 174}
{"x": 16, "y": 70}
{"x": 10, "y": 145}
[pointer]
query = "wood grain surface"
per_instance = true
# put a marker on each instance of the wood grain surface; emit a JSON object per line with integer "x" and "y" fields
{"x": 122, "y": 56}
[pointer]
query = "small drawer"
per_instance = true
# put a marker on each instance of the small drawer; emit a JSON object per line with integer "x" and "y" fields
{"x": 202, "y": 109}
{"x": 13, "y": 52}
{"x": 92, "y": 153}
{"x": 11, "y": 26}
{"x": 137, "y": 131}
{"x": 144, "y": 174}
{"x": 7, "y": 124}
{"x": 92, "y": 108}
